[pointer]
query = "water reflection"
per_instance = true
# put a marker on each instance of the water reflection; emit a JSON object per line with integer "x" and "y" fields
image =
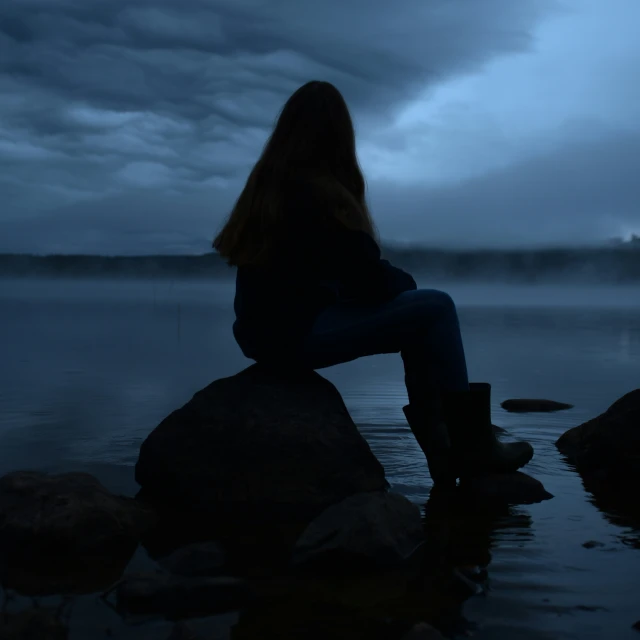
{"x": 450, "y": 568}
{"x": 620, "y": 506}
{"x": 461, "y": 533}
{"x": 461, "y": 530}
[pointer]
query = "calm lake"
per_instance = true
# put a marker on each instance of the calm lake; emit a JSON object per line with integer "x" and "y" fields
{"x": 90, "y": 367}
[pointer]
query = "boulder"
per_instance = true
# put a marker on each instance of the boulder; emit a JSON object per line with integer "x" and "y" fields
{"x": 70, "y": 515}
{"x": 258, "y": 440}
{"x": 366, "y": 531}
{"x": 607, "y": 448}
{"x": 534, "y": 405}
{"x": 176, "y": 597}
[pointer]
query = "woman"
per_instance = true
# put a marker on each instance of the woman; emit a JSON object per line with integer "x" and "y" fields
{"x": 312, "y": 290}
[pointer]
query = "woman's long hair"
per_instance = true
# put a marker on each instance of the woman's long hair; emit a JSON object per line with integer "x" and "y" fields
{"x": 313, "y": 141}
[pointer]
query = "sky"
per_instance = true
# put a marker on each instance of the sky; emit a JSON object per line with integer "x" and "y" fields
{"x": 130, "y": 126}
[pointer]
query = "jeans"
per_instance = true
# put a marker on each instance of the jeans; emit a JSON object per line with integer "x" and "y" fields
{"x": 421, "y": 325}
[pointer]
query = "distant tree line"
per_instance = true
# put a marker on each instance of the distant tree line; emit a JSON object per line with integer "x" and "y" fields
{"x": 609, "y": 264}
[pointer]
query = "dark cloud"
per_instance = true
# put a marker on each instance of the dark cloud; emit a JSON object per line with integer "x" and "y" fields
{"x": 130, "y": 124}
{"x": 177, "y": 56}
{"x": 99, "y": 96}
{"x": 593, "y": 184}
{"x": 580, "y": 193}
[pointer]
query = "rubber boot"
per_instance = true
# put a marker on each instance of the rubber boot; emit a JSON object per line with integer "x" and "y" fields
{"x": 474, "y": 446}
{"x": 433, "y": 439}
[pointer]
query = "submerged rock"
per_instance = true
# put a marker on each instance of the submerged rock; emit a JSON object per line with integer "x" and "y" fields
{"x": 367, "y": 531}
{"x": 606, "y": 449}
{"x": 258, "y": 440}
{"x": 175, "y": 597}
{"x": 592, "y": 544}
{"x": 534, "y": 405}
{"x": 32, "y": 624}
{"x": 507, "y": 488}
{"x": 39, "y": 576}
{"x": 196, "y": 560}
{"x": 70, "y": 514}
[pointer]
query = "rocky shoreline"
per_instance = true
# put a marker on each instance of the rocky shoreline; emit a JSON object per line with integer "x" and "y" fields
{"x": 260, "y": 496}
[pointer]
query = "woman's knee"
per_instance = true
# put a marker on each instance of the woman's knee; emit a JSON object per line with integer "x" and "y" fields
{"x": 434, "y": 300}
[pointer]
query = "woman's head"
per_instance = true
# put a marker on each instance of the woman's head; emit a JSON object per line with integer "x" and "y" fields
{"x": 313, "y": 140}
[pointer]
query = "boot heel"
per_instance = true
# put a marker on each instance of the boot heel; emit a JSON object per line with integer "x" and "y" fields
{"x": 475, "y": 448}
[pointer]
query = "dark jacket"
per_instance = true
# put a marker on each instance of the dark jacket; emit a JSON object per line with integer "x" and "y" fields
{"x": 317, "y": 263}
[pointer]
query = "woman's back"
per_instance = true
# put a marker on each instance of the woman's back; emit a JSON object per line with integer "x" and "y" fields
{"x": 315, "y": 262}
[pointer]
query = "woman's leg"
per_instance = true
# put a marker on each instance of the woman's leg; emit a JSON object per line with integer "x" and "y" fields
{"x": 422, "y": 325}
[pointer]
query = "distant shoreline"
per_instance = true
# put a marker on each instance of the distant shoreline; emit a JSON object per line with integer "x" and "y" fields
{"x": 618, "y": 264}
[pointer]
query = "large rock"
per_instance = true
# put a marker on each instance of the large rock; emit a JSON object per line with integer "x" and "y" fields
{"x": 607, "y": 448}
{"x": 258, "y": 439}
{"x": 70, "y": 514}
{"x": 367, "y": 531}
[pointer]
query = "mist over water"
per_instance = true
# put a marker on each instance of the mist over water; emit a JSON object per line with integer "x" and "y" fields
{"x": 603, "y": 265}
{"x": 91, "y": 366}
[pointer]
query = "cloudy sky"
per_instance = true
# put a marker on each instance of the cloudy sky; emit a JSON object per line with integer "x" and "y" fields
{"x": 129, "y": 126}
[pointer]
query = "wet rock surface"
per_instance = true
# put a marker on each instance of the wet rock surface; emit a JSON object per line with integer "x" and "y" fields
{"x": 367, "y": 531}
{"x": 260, "y": 440}
{"x": 534, "y": 405}
{"x": 69, "y": 513}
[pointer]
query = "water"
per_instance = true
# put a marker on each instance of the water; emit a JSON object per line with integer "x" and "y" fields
{"x": 90, "y": 367}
